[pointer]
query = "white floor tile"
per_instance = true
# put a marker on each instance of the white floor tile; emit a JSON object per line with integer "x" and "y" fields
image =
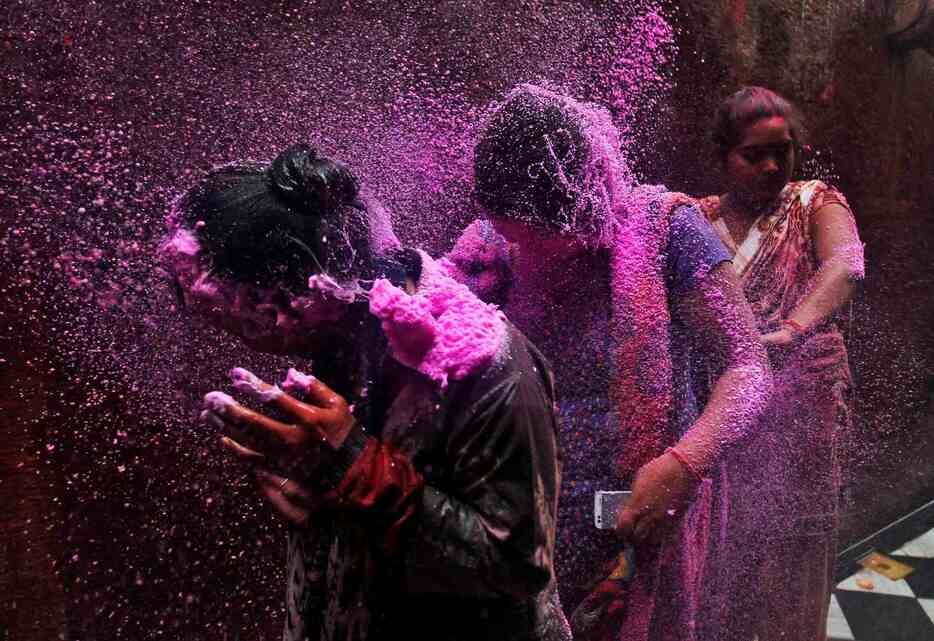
{"x": 881, "y": 585}
{"x": 922, "y": 547}
{"x": 928, "y": 605}
{"x": 837, "y": 627}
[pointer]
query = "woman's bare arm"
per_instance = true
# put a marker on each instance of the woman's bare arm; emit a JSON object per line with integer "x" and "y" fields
{"x": 718, "y": 316}
{"x": 720, "y": 320}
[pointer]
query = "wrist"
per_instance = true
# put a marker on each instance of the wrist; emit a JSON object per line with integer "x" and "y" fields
{"x": 793, "y": 327}
{"x": 340, "y": 460}
{"x": 685, "y": 463}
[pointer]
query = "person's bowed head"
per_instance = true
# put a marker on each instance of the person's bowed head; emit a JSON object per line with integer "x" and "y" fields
{"x": 293, "y": 259}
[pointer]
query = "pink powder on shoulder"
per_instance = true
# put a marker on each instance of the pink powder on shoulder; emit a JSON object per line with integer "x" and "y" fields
{"x": 442, "y": 330}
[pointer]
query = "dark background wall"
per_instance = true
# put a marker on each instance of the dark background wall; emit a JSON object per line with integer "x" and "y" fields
{"x": 117, "y": 518}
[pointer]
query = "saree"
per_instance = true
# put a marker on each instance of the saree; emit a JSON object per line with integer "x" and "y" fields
{"x": 781, "y": 542}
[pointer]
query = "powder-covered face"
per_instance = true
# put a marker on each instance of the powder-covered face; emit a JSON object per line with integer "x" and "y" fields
{"x": 533, "y": 238}
{"x": 267, "y": 319}
{"x": 287, "y": 328}
{"x": 763, "y": 162}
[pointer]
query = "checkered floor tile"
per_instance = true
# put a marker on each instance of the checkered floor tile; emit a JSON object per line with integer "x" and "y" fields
{"x": 869, "y": 607}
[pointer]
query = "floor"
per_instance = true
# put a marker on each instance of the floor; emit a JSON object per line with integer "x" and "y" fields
{"x": 866, "y": 606}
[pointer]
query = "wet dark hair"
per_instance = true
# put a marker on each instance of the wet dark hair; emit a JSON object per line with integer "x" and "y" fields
{"x": 516, "y": 161}
{"x": 745, "y": 107}
{"x": 281, "y": 223}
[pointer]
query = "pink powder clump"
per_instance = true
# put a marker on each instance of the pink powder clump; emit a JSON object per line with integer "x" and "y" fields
{"x": 443, "y": 330}
{"x": 246, "y": 381}
{"x": 296, "y": 381}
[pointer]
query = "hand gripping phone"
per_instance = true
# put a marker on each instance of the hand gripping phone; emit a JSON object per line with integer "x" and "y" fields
{"x": 607, "y": 507}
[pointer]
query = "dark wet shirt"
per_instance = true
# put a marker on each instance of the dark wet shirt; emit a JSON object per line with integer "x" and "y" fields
{"x": 475, "y": 559}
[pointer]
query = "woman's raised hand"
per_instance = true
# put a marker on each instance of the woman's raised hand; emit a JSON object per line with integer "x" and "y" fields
{"x": 323, "y": 420}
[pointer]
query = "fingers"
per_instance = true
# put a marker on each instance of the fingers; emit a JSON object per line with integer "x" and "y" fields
{"x": 227, "y": 428}
{"x": 626, "y": 524}
{"x": 287, "y": 496}
{"x": 245, "y": 454}
{"x": 248, "y": 383}
{"x": 292, "y": 490}
{"x": 641, "y": 528}
{"x": 644, "y": 529}
{"x": 315, "y": 390}
{"x": 230, "y": 411}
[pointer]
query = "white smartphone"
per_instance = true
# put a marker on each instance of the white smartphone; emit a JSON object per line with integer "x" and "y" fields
{"x": 607, "y": 506}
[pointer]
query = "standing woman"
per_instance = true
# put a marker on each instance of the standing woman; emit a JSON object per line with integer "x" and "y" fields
{"x": 617, "y": 283}
{"x": 796, "y": 249}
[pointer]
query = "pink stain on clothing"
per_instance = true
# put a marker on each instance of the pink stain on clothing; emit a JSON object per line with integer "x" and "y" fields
{"x": 442, "y": 330}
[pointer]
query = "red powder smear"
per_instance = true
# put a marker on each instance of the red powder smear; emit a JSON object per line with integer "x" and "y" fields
{"x": 443, "y": 330}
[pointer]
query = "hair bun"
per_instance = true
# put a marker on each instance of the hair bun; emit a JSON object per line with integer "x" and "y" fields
{"x": 306, "y": 180}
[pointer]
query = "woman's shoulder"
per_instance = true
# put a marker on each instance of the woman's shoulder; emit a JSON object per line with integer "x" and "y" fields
{"x": 815, "y": 194}
{"x": 709, "y": 206}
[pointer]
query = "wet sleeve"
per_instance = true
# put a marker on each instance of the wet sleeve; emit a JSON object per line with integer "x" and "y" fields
{"x": 488, "y": 528}
{"x": 693, "y": 250}
{"x": 491, "y": 529}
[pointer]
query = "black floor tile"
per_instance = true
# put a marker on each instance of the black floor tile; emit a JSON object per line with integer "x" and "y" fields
{"x": 922, "y": 579}
{"x": 882, "y": 617}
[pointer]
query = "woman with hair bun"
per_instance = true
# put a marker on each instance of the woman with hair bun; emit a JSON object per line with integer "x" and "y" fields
{"x": 798, "y": 255}
{"x": 421, "y": 481}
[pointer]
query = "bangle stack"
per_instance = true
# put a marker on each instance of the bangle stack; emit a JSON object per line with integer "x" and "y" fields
{"x": 686, "y": 463}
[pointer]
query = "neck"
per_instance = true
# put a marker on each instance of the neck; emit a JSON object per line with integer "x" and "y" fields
{"x": 546, "y": 285}
{"x": 740, "y": 205}
{"x": 551, "y": 269}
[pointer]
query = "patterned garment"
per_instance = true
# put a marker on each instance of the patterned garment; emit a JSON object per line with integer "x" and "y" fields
{"x": 472, "y": 555}
{"x": 786, "y": 480}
